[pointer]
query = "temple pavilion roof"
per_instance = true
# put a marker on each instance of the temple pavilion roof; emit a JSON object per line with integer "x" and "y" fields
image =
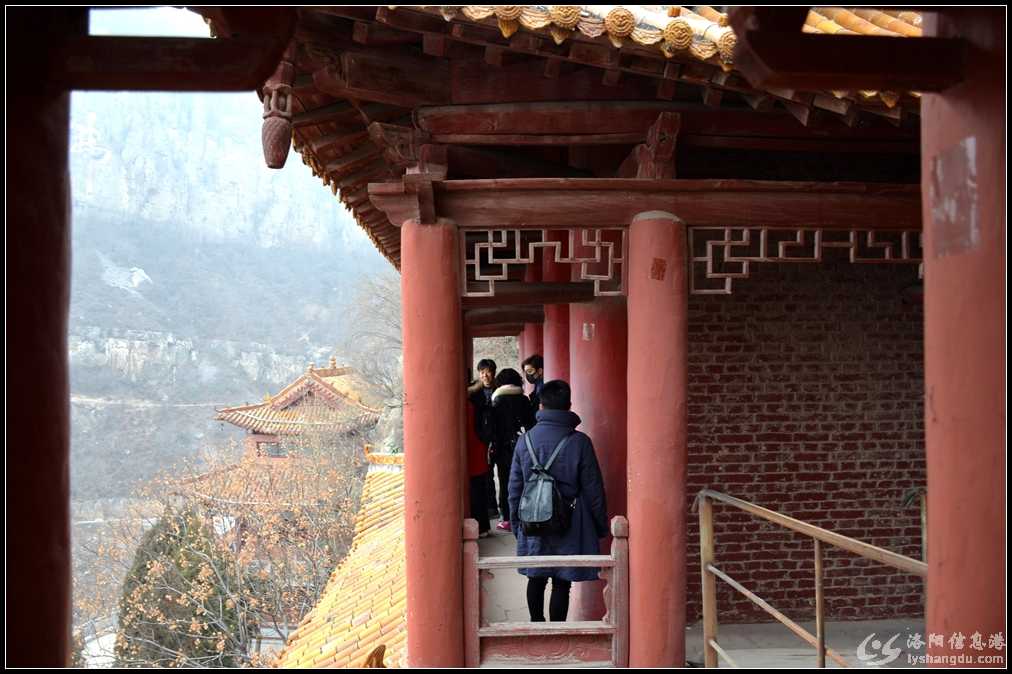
{"x": 364, "y": 81}
{"x": 324, "y": 399}
{"x": 364, "y": 603}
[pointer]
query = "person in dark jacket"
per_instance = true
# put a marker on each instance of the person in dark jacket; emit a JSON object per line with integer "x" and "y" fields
{"x": 534, "y": 372}
{"x": 477, "y": 470}
{"x": 578, "y": 478}
{"x": 480, "y": 395}
{"x": 511, "y": 415}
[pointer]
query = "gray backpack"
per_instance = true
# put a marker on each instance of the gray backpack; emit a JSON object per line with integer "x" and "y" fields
{"x": 543, "y": 511}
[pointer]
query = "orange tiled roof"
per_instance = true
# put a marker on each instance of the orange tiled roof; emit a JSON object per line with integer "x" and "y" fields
{"x": 256, "y": 481}
{"x": 699, "y": 31}
{"x": 364, "y": 603}
{"x": 340, "y": 401}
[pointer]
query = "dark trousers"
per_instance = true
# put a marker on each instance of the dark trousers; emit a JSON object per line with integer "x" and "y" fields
{"x": 558, "y": 605}
{"x": 503, "y": 465}
{"x": 479, "y": 505}
{"x": 490, "y": 489}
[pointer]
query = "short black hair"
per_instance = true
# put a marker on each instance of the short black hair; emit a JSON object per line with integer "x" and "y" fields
{"x": 508, "y": 376}
{"x": 535, "y": 361}
{"x": 486, "y": 364}
{"x": 556, "y": 395}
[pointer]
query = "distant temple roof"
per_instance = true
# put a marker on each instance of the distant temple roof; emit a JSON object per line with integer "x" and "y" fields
{"x": 340, "y": 401}
{"x": 259, "y": 481}
{"x": 364, "y": 603}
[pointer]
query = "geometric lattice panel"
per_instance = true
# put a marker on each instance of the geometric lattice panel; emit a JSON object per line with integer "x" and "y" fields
{"x": 722, "y": 255}
{"x": 491, "y": 255}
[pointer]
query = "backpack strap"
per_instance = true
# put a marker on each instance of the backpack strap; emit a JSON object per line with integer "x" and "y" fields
{"x": 530, "y": 450}
{"x": 551, "y": 459}
{"x": 558, "y": 448}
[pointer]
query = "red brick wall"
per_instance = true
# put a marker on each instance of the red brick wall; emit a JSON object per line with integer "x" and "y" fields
{"x": 806, "y": 397}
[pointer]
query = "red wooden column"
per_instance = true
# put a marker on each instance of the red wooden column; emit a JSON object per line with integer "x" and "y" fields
{"x": 658, "y": 303}
{"x": 963, "y": 169}
{"x": 434, "y": 401}
{"x": 597, "y": 349}
{"x": 532, "y": 339}
{"x": 555, "y": 334}
{"x": 38, "y": 296}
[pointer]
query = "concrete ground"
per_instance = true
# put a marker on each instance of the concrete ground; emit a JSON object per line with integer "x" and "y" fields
{"x": 773, "y": 645}
{"x": 755, "y": 645}
{"x": 507, "y": 590}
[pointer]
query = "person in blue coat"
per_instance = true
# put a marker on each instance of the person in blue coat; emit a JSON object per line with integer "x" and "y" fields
{"x": 578, "y": 478}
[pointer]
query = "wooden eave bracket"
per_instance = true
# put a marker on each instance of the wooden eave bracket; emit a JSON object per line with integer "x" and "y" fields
{"x": 413, "y": 198}
{"x": 241, "y": 62}
{"x": 401, "y": 144}
{"x": 654, "y": 159}
{"x": 772, "y": 51}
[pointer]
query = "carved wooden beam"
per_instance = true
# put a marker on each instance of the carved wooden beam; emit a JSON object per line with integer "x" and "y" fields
{"x": 504, "y": 315}
{"x": 507, "y": 330}
{"x": 606, "y": 122}
{"x": 401, "y": 144}
{"x": 566, "y": 202}
{"x": 773, "y": 52}
{"x": 251, "y": 42}
{"x": 396, "y": 79}
{"x": 514, "y": 293}
{"x": 656, "y": 157}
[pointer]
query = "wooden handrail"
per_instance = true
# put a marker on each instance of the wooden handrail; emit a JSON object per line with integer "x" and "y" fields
{"x": 710, "y": 572}
{"x": 551, "y": 561}
{"x": 852, "y": 545}
{"x": 614, "y": 570}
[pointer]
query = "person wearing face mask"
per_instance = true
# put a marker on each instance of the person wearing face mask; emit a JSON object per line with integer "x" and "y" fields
{"x": 534, "y": 372}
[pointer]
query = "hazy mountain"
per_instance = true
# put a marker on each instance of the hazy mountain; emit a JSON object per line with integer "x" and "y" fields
{"x": 200, "y": 277}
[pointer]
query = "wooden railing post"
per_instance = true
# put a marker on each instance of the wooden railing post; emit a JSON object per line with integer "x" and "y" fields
{"x": 709, "y": 582}
{"x": 820, "y": 607}
{"x": 472, "y": 609}
{"x": 618, "y": 610}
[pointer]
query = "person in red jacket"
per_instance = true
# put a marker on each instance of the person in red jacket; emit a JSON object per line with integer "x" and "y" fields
{"x": 477, "y": 471}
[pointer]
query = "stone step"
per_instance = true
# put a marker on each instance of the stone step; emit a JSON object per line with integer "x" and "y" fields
{"x": 527, "y": 629}
{"x": 534, "y": 663}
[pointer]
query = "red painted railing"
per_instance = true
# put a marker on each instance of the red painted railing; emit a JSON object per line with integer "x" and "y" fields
{"x": 603, "y": 641}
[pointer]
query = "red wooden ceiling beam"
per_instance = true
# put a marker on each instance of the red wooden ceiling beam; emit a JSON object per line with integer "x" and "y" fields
{"x": 396, "y": 79}
{"x": 504, "y": 315}
{"x": 575, "y": 202}
{"x": 166, "y": 63}
{"x": 508, "y": 330}
{"x": 772, "y": 51}
{"x": 510, "y": 293}
{"x": 600, "y": 118}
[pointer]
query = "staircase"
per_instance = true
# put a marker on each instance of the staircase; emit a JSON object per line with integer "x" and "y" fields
{"x": 600, "y": 643}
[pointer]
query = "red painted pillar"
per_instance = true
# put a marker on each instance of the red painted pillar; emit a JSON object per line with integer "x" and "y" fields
{"x": 597, "y": 349}
{"x": 38, "y": 295}
{"x": 433, "y": 407}
{"x": 963, "y": 169}
{"x": 556, "y": 329}
{"x": 658, "y": 305}
{"x": 532, "y": 338}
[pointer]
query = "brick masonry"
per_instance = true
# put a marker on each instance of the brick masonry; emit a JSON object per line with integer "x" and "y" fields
{"x": 806, "y": 397}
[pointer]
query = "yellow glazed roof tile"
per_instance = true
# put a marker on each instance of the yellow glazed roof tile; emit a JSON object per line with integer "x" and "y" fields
{"x": 364, "y": 602}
